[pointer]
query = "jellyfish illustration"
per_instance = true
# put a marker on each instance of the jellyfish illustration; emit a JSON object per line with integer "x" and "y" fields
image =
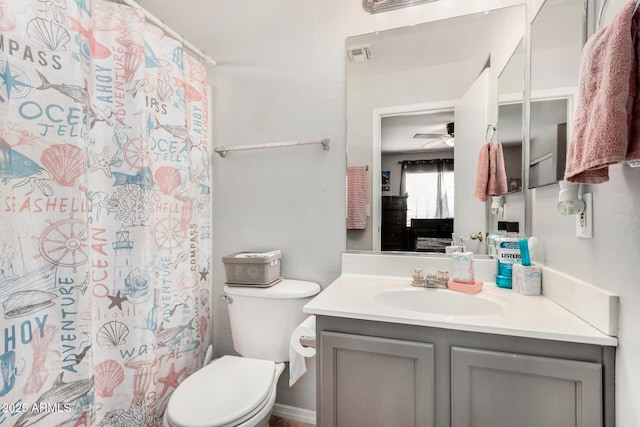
{"x": 112, "y": 334}
{"x": 65, "y": 163}
{"x": 133, "y": 59}
{"x": 108, "y": 375}
{"x": 167, "y": 178}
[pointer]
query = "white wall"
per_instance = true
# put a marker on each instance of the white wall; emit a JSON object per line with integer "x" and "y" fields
{"x": 281, "y": 76}
{"x": 610, "y": 260}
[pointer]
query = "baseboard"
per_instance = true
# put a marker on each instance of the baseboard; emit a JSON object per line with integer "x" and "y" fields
{"x": 297, "y": 414}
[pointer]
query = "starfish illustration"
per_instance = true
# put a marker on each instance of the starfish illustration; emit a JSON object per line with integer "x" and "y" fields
{"x": 203, "y": 274}
{"x": 11, "y": 81}
{"x": 171, "y": 380}
{"x": 102, "y": 161}
{"x": 116, "y": 300}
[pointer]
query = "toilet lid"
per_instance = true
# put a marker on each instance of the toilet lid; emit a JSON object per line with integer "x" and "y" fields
{"x": 287, "y": 288}
{"x": 226, "y": 392}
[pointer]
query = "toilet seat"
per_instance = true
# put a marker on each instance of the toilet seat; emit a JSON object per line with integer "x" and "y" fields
{"x": 225, "y": 393}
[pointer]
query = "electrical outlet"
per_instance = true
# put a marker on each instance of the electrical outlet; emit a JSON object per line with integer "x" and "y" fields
{"x": 584, "y": 221}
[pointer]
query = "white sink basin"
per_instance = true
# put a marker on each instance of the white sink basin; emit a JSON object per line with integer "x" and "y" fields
{"x": 441, "y": 301}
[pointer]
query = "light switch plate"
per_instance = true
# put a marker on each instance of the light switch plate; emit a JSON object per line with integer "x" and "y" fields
{"x": 584, "y": 221}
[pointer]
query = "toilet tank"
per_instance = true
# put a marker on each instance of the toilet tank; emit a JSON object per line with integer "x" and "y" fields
{"x": 262, "y": 319}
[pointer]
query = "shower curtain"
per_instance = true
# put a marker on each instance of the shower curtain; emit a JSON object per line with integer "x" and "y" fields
{"x": 104, "y": 215}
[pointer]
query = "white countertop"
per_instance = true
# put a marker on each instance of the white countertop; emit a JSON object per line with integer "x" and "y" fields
{"x": 357, "y": 296}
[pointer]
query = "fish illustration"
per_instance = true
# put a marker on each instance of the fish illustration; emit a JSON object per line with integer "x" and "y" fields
{"x": 14, "y": 165}
{"x": 59, "y": 393}
{"x": 82, "y": 354}
{"x": 7, "y": 369}
{"x": 137, "y": 87}
{"x": 77, "y": 93}
{"x": 98, "y": 50}
{"x": 191, "y": 93}
{"x": 174, "y": 308}
{"x": 166, "y": 335}
{"x": 179, "y": 132}
{"x": 144, "y": 178}
{"x": 150, "y": 57}
{"x": 80, "y": 95}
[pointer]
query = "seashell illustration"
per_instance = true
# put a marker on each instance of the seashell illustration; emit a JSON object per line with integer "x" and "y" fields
{"x": 112, "y": 334}
{"x": 22, "y": 303}
{"x": 164, "y": 90}
{"x": 50, "y": 35}
{"x": 65, "y": 163}
{"x": 167, "y": 178}
{"x": 108, "y": 375}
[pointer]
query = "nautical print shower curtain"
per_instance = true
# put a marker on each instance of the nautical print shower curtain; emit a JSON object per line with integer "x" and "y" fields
{"x": 104, "y": 215}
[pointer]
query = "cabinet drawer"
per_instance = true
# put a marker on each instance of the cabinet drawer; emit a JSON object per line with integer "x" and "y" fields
{"x": 394, "y": 217}
{"x": 394, "y": 203}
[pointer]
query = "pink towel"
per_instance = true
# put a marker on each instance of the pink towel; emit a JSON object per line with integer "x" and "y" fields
{"x": 491, "y": 178}
{"x": 603, "y": 117}
{"x": 356, "y": 197}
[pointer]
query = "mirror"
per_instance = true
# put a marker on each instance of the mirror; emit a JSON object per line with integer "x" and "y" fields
{"x": 510, "y": 115}
{"x": 555, "y": 63}
{"x": 419, "y": 99}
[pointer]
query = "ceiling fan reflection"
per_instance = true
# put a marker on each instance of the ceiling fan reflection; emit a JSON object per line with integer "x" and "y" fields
{"x": 438, "y": 138}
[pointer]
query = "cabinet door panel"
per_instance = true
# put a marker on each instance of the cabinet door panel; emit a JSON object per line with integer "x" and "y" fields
{"x": 497, "y": 389}
{"x": 369, "y": 381}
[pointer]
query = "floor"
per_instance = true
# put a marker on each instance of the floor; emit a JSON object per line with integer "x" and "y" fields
{"x": 283, "y": 422}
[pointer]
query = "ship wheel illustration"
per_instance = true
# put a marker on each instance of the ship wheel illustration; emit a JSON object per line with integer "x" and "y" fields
{"x": 169, "y": 233}
{"x": 64, "y": 243}
{"x": 136, "y": 154}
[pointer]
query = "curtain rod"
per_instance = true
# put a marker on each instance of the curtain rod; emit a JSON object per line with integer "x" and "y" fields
{"x": 160, "y": 24}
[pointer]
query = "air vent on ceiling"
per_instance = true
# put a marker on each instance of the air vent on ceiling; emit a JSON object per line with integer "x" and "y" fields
{"x": 359, "y": 53}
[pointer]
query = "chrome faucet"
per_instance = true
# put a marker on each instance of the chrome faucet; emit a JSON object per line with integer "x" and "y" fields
{"x": 429, "y": 280}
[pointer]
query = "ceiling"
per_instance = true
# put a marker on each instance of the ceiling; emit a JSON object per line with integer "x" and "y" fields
{"x": 398, "y": 131}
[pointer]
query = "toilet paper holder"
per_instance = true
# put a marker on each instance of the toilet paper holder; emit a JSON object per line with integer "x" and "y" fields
{"x": 309, "y": 342}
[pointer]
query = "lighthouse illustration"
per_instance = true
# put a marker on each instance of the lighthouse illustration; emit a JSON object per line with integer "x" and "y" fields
{"x": 122, "y": 268}
{"x": 129, "y": 280}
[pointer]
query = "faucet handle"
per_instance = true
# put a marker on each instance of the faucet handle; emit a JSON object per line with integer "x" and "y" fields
{"x": 476, "y": 236}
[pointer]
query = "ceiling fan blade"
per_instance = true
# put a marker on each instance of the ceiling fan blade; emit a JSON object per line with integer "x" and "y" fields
{"x": 427, "y": 135}
{"x": 435, "y": 142}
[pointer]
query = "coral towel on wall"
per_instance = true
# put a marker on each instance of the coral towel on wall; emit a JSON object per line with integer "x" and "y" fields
{"x": 104, "y": 224}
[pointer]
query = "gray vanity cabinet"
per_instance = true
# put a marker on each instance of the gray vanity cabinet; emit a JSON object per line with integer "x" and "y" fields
{"x": 382, "y": 374}
{"x": 371, "y": 381}
{"x": 498, "y": 389}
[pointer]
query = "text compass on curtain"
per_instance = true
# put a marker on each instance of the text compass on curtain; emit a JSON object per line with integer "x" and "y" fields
{"x": 438, "y": 138}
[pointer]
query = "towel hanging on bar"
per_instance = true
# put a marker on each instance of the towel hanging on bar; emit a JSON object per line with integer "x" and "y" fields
{"x": 356, "y": 197}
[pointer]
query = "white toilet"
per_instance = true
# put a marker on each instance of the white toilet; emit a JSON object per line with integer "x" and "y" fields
{"x": 241, "y": 391}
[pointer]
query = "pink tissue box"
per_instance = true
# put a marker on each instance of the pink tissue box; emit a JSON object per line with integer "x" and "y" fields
{"x": 470, "y": 288}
